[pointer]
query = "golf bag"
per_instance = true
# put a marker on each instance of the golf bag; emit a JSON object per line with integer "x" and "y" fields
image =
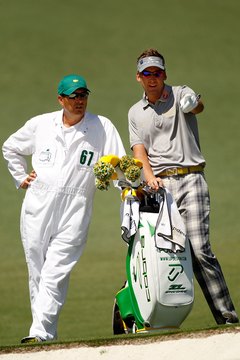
{"x": 159, "y": 292}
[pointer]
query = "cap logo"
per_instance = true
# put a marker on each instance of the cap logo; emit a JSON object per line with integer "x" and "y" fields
{"x": 75, "y": 80}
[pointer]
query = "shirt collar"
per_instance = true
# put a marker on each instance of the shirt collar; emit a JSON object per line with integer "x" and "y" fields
{"x": 164, "y": 97}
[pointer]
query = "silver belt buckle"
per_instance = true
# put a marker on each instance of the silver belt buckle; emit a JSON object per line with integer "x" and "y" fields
{"x": 172, "y": 171}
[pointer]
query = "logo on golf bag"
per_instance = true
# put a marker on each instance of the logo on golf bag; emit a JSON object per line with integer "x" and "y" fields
{"x": 140, "y": 270}
{"x": 176, "y": 270}
{"x": 176, "y": 289}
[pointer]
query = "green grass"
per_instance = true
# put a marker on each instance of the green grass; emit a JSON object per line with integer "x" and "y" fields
{"x": 41, "y": 42}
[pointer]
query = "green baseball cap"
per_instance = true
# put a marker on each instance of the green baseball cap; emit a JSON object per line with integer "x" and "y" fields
{"x": 70, "y": 83}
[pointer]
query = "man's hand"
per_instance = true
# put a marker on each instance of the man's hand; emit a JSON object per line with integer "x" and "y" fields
{"x": 152, "y": 181}
{"x": 32, "y": 176}
{"x": 155, "y": 183}
{"x": 189, "y": 102}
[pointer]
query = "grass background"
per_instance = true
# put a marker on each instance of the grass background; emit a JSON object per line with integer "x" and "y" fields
{"x": 45, "y": 40}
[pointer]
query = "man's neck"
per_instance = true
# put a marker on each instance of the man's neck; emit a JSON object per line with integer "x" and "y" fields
{"x": 69, "y": 121}
{"x": 153, "y": 97}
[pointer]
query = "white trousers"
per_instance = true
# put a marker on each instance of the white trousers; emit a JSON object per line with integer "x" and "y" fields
{"x": 54, "y": 229}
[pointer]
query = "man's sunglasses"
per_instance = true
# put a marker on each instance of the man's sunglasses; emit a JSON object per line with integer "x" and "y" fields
{"x": 156, "y": 74}
{"x": 82, "y": 95}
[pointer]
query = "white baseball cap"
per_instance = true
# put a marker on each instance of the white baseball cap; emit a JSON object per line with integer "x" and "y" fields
{"x": 148, "y": 61}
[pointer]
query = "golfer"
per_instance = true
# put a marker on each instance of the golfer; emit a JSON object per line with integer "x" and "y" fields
{"x": 164, "y": 136}
{"x": 57, "y": 208}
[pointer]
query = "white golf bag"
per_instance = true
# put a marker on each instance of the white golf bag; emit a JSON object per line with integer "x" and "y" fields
{"x": 159, "y": 292}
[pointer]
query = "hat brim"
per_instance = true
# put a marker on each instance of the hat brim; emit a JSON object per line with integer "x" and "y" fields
{"x": 145, "y": 66}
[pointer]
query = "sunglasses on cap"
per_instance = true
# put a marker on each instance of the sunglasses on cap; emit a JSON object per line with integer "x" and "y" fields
{"x": 156, "y": 74}
{"x": 82, "y": 95}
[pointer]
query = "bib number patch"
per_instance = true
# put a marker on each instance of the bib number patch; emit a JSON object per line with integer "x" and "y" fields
{"x": 86, "y": 157}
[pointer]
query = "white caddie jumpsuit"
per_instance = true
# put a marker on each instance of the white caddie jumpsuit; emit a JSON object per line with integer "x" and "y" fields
{"x": 57, "y": 207}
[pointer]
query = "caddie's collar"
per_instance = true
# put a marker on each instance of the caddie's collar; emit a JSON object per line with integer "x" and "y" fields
{"x": 164, "y": 97}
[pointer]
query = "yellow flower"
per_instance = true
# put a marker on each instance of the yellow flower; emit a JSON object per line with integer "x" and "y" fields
{"x": 125, "y": 162}
{"x": 112, "y": 159}
{"x": 102, "y": 185}
{"x": 103, "y": 170}
{"x": 133, "y": 173}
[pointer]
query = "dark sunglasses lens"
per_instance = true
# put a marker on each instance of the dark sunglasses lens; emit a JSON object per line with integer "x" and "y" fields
{"x": 146, "y": 73}
{"x": 78, "y": 95}
{"x": 149, "y": 73}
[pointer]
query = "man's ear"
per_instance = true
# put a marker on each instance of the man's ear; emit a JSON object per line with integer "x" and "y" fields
{"x": 60, "y": 100}
{"x": 138, "y": 77}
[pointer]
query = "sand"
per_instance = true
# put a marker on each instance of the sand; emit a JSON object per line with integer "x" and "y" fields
{"x": 220, "y": 346}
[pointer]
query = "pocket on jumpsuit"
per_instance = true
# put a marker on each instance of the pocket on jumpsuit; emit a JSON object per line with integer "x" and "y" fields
{"x": 34, "y": 214}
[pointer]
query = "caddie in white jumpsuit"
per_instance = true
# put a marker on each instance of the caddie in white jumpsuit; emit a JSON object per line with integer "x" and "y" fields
{"x": 57, "y": 208}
